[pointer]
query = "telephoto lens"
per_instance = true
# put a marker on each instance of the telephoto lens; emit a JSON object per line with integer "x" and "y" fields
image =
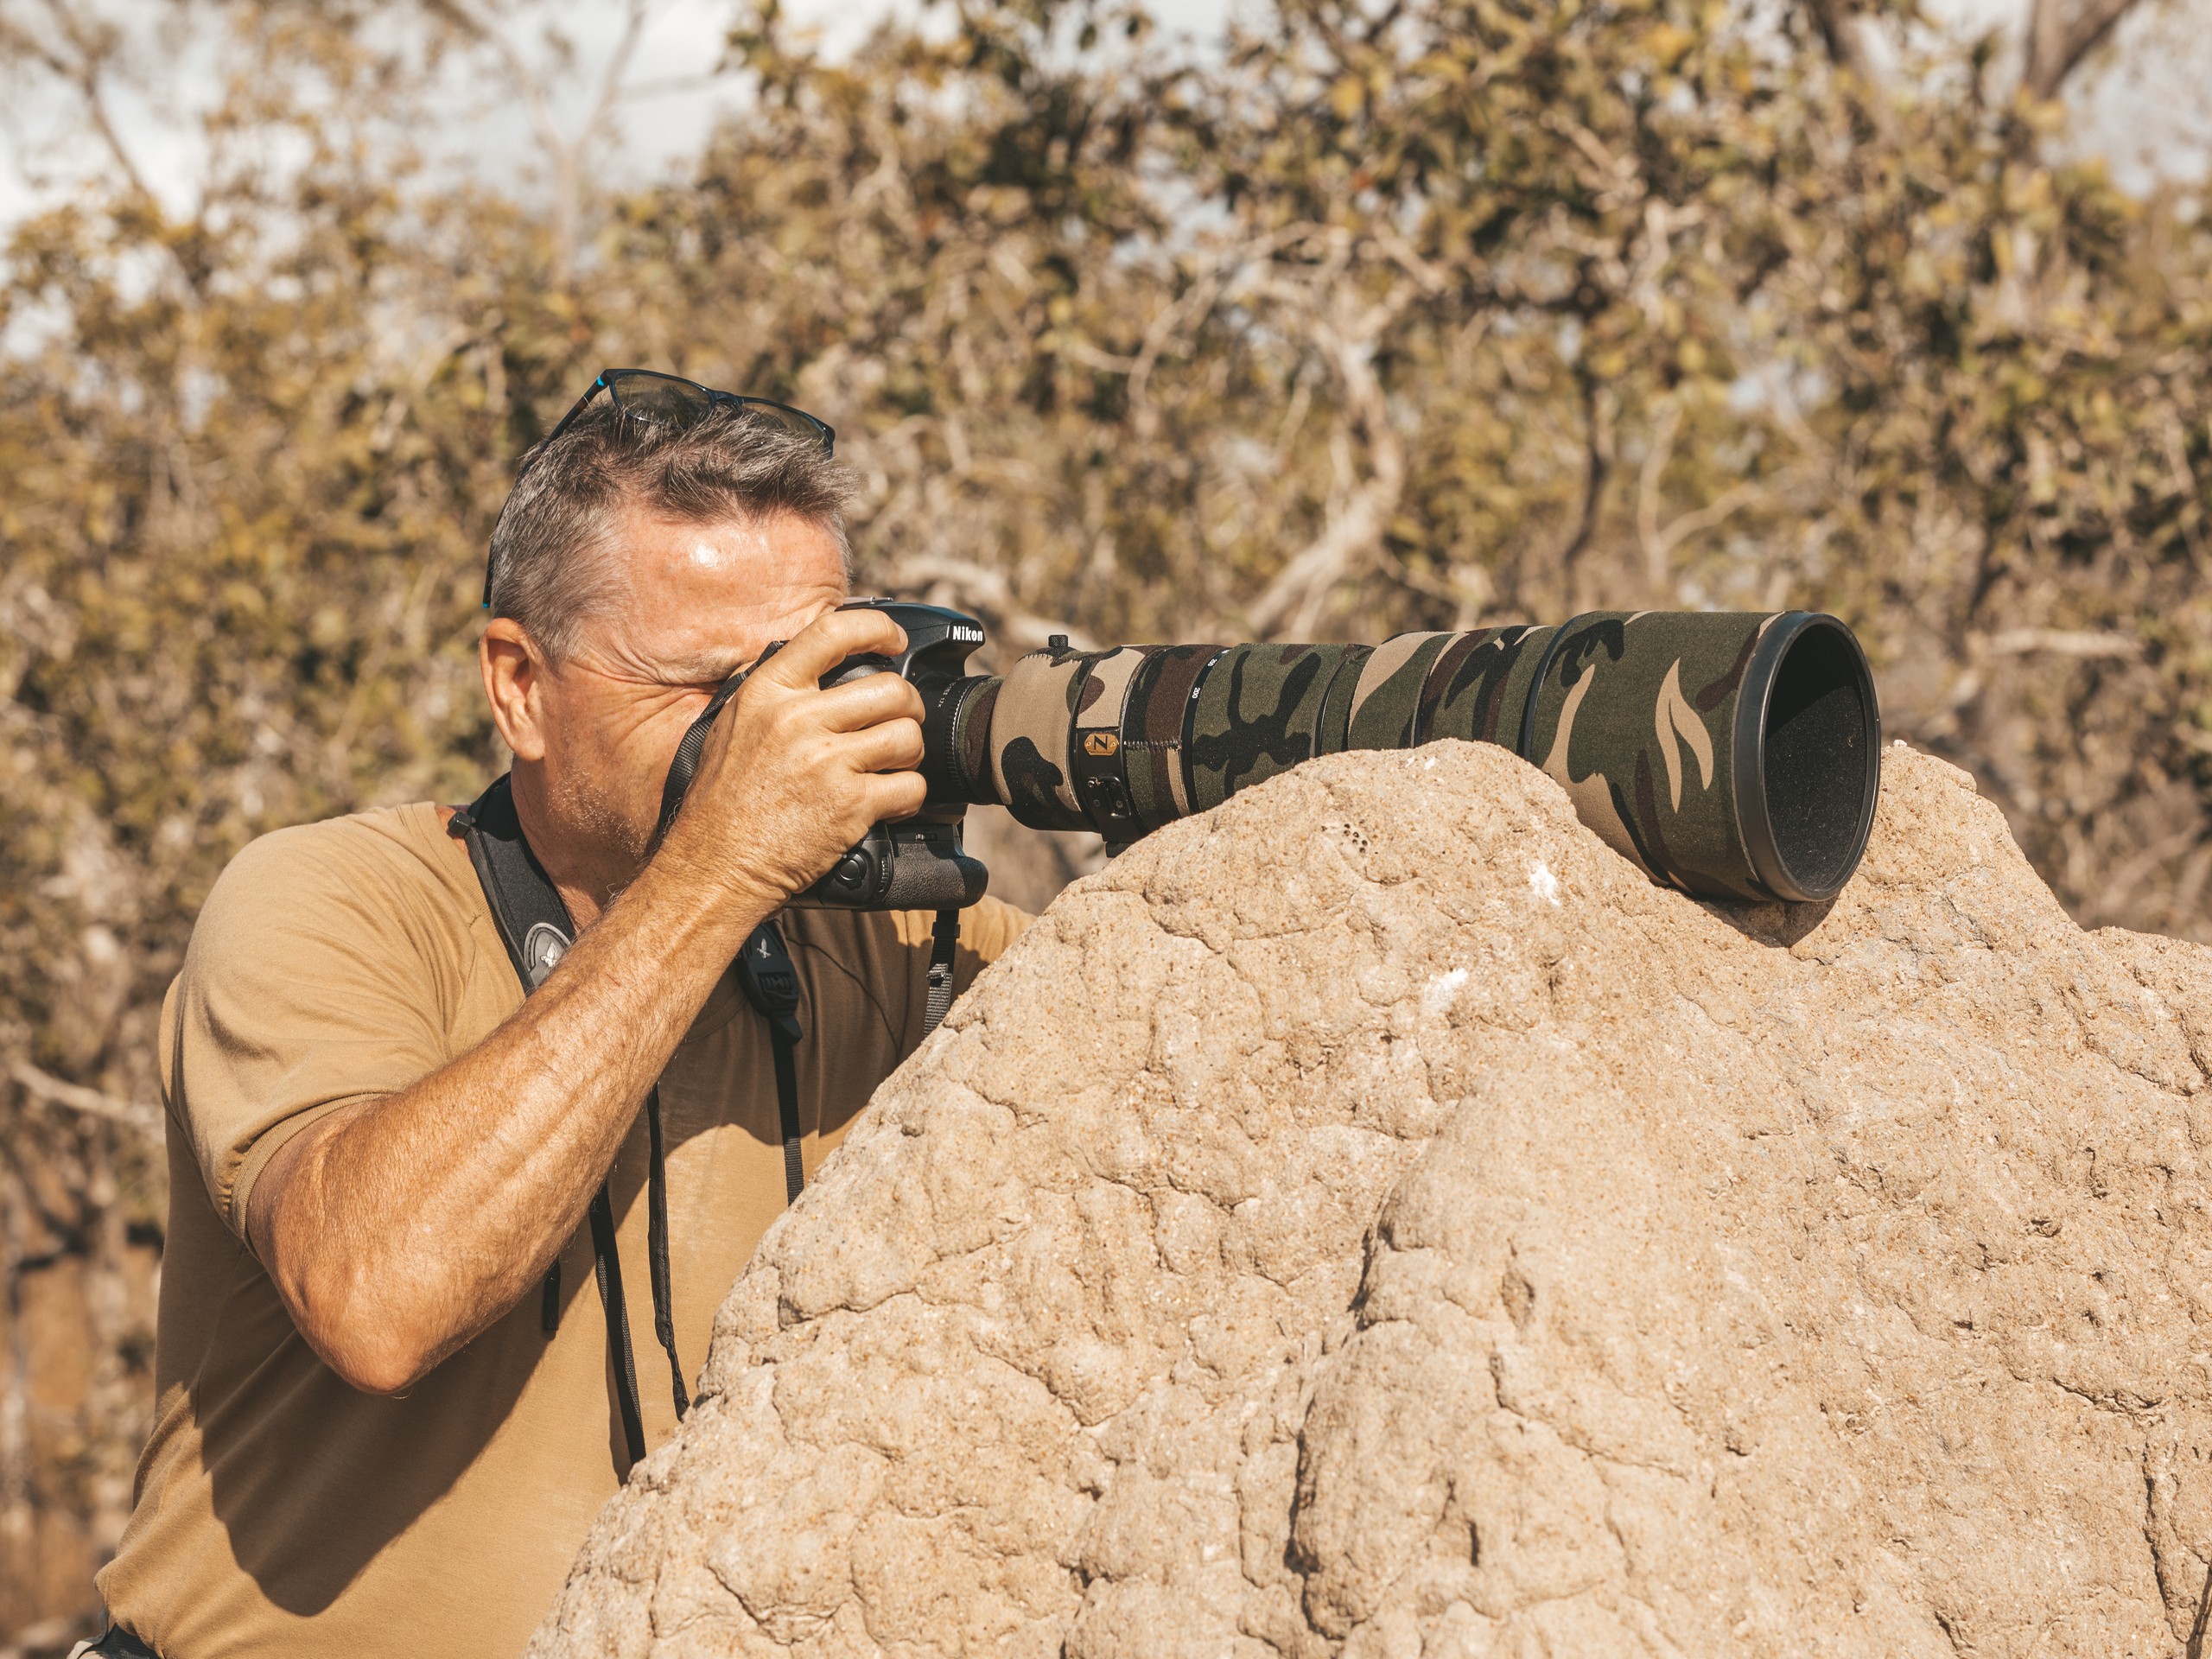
{"x": 1732, "y": 754}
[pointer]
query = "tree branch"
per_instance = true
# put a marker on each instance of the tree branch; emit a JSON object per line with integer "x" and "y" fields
{"x": 2057, "y": 42}
{"x": 1347, "y": 340}
{"x": 566, "y": 153}
{"x": 90, "y": 47}
{"x": 1597, "y": 464}
{"x": 91, "y": 1102}
{"x": 1842, "y": 31}
{"x": 1647, "y": 495}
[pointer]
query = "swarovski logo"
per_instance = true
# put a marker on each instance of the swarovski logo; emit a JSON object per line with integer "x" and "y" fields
{"x": 543, "y": 947}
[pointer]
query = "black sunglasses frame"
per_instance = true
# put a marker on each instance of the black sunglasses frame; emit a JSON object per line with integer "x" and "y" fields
{"x": 608, "y": 381}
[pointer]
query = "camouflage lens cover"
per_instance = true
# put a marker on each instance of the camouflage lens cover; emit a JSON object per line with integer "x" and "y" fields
{"x": 1479, "y": 685}
{"x": 1094, "y": 756}
{"x": 1154, "y": 715}
{"x": 1029, "y": 740}
{"x": 1721, "y": 765}
{"x": 1335, "y": 735}
{"x": 1635, "y": 716}
{"x": 1081, "y": 740}
{"x": 1260, "y": 713}
{"x": 1386, "y": 704}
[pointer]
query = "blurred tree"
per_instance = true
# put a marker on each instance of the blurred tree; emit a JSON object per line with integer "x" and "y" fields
{"x": 247, "y": 446}
{"x": 2060, "y": 33}
{"x": 1446, "y": 312}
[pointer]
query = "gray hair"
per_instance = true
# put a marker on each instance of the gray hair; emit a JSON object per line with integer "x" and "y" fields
{"x": 555, "y": 551}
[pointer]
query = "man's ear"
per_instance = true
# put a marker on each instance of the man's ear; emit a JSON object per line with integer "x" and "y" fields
{"x": 515, "y": 671}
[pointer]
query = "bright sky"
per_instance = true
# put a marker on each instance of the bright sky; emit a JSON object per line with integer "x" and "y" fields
{"x": 2150, "y": 111}
{"x": 2146, "y": 104}
{"x": 154, "y": 118}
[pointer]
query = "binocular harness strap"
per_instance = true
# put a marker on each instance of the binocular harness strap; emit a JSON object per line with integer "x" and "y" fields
{"x": 771, "y": 983}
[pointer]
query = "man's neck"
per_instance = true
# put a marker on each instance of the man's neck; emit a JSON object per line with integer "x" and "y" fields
{"x": 585, "y": 889}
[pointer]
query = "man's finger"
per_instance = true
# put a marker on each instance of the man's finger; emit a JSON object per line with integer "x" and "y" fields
{"x": 866, "y": 703}
{"x": 893, "y": 746}
{"x": 827, "y": 641}
{"x": 894, "y": 795}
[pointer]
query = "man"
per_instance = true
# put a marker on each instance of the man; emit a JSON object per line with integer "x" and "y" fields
{"x": 384, "y": 1421}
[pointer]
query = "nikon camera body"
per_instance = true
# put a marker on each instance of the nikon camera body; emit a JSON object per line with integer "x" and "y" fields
{"x": 916, "y": 863}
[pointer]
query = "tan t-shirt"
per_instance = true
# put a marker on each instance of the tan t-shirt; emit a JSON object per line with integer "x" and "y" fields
{"x": 279, "y": 1512}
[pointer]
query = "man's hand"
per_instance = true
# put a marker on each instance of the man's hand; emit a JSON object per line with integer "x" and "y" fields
{"x": 793, "y": 775}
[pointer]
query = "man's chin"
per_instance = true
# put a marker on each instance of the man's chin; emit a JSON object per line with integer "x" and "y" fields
{"x": 592, "y": 831}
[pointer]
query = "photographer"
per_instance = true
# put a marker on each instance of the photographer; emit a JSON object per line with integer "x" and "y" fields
{"x": 388, "y": 1397}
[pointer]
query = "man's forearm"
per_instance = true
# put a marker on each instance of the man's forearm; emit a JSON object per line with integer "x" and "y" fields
{"x": 398, "y": 1228}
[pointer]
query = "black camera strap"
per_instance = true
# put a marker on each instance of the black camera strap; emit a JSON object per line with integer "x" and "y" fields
{"x": 534, "y": 927}
{"x": 765, "y": 968}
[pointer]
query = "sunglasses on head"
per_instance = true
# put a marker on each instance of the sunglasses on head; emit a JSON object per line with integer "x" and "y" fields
{"x": 659, "y": 400}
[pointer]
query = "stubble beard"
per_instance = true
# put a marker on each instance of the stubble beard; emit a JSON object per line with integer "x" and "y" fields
{"x": 594, "y": 815}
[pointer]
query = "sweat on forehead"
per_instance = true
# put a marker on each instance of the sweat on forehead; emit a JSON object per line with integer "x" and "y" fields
{"x": 555, "y": 552}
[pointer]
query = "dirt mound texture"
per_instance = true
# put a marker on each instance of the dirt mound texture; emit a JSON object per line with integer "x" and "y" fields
{"x": 1372, "y": 1219}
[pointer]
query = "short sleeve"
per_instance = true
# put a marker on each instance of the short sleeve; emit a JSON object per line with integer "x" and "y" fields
{"x": 320, "y": 972}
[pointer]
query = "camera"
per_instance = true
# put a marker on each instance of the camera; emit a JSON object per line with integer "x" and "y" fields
{"x": 1730, "y": 754}
{"x": 917, "y": 863}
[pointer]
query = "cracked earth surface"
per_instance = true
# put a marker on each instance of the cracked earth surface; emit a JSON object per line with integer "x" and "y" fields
{"x": 1372, "y": 1220}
